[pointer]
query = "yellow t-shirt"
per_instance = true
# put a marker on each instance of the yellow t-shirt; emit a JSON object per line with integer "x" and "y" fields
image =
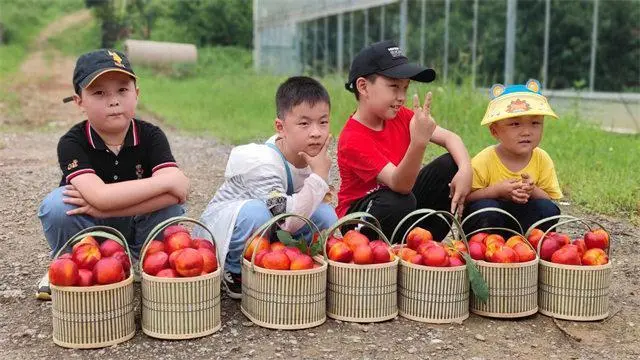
{"x": 489, "y": 170}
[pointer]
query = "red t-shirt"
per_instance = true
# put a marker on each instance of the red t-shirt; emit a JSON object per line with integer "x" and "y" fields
{"x": 363, "y": 153}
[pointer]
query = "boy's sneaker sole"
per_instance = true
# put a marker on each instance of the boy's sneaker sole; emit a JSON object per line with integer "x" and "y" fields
{"x": 231, "y": 294}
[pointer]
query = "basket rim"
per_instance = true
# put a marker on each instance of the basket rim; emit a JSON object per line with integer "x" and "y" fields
{"x": 160, "y": 279}
{"x": 94, "y": 345}
{"x": 504, "y": 315}
{"x": 427, "y": 320}
{"x": 164, "y": 336}
{"x": 323, "y": 267}
{"x": 462, "y": 267}
{"x": 507, "y": 265}
{"x": 364, "y": 266}
{"x": 94, "y": 288}
{"x": 573, "y": 318}
{"x": 575, "y": 267}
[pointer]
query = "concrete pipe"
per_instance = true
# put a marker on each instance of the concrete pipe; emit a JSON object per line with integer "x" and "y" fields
{"x": 158, "y": 52}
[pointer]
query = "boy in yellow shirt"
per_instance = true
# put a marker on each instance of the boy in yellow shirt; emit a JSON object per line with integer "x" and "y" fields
{"x": 514, "y": 175}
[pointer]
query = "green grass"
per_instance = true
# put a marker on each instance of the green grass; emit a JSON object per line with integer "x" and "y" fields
{"x": 22, "y": 21}
{"x": 77, "y": 39}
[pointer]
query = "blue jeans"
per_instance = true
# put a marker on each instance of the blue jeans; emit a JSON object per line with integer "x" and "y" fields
{"x": 58, "y": 227}
{"x": 526, "y": 214}
{"x": 255, "y": 213}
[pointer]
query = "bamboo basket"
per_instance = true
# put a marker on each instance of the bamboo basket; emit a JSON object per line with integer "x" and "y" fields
{"x": 431, "y": 294}
{"x": 361, "y": 293}
{"x": 284, "y": 299}
{"x": 93, "y": 316}
{"x": 513, "y": 287}
{"x": 573, "y": 292}
{"x": 180, "y": 308}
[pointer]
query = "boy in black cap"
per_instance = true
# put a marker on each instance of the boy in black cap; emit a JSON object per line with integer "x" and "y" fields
{"x": 116, "y": 170}
{"x": 381, "y": 146}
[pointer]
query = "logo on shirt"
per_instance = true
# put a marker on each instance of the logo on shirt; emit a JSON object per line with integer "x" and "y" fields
{"x": 73, "y": 164}
{"x": 517, "y": 106}
{"x": 139, "y": 171}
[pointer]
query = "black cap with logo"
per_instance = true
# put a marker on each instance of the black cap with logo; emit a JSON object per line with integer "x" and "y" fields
{"x": 95, "y": 63}
{"x": 386, "y": 58}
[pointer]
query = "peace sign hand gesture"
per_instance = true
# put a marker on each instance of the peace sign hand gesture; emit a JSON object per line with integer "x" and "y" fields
{"x": 422, "y": 124}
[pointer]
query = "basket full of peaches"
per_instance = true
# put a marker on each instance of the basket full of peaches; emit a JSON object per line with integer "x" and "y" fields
{"x": 180, "y": 281}
{"x": 575, "y": 276}
{"x": 92, "y": 290}
{"x": 284, "y": 280}
{"x": 509, "y": 266}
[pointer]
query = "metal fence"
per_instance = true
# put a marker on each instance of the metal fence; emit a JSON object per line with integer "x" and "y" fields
{"x": 320, "y": 37}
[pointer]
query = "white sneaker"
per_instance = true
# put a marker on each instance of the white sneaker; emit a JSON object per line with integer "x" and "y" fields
{"x": 44, "y": 291}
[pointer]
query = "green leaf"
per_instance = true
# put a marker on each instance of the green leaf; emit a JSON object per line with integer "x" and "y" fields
{"x": 315, "y": 249}
{"x": 285, "y": 238}
{"x": 478, "y": 285}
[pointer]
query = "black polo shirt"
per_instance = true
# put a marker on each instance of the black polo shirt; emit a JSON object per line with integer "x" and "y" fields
{"x": 146, "y": 149}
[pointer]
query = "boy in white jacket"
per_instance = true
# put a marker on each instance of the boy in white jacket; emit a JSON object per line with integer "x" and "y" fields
{"x": 288, "y": 173}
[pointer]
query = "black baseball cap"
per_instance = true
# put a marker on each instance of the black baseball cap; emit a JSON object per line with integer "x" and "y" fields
{"x": 386, "y": 58}
{"x": 95, "y": 63}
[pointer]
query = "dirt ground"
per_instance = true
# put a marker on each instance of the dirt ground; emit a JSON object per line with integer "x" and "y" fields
{"x": 29, "y": 170}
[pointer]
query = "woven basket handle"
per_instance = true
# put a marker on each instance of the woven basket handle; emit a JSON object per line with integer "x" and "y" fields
{"x": 571, "y": 219}
{"x": 99, "y": 231}
{"x": 168, "y": 222}
{"x": 494, "y": 209}
{"x": 356, "y": 219}
{"x": 262, "y": 230}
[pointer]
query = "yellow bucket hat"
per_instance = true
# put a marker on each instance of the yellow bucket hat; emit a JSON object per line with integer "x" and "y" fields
{"x": 516, "y": 100}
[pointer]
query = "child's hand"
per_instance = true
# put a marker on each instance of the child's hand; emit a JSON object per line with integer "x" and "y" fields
{"x": 459, "y": 188}
{"x": 509, "y": 189}
{"x": 321, "y": 163}
{"x": 527, "y": 184}
{"x": 422, "y": 124}
{"x": 74, "y": 197}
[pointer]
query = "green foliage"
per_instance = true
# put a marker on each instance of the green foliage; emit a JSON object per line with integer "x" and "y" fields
{"x": 478, "y": 284}
{"x": 286, "y": 238}
{"x": 22, "y": 20}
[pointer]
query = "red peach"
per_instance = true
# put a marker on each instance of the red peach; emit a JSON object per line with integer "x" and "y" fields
{"x": 258, "y": 243}
{"x": 108, "y": 271}
{"x": 353, "y": 239}
{"x": 479, "y": 237}
{"x": 534, "y": 237}
{"x": 209, "y": 261}
{"x": 86, "y": 240}
{"x": 276, "y": 260}
{"x": 110, "y": 247}
{"x": 172, "y": 258}
{"x": 85, "y": 277}
{"x": 524, "y": 252}
{"x": 275, "y": 246}
{"x": 595, "y": 256}
{"x": 189, "y": 262}
{"x": 301, "y": 262}
{"x": 177, "y": 241}
{"x": 453, "y": 261}
{"x": 381, "y": 254}
{"x": 435, "y": 256}
{"x": 260, "y": 255}
{"x": 504, "y": 254}
{"x": 173, "y": 229}
{"x": 124, "y": 259}
{"x": 155, "y": 246}
{"x": 169, "y": 273}
{"x": 477, "y": 250}
{"x": 568, "y": 255}
{"x": 596, "y": 239}
{"x": 86, "y": 256}
{"x": 155, "y": 262}
{"x": 63, "y": 272}
{"x": 198, "y": 243}
{"x": 340, "y": 252}
{"x": 363, "y": 254}
{"x": 418, "y": 236}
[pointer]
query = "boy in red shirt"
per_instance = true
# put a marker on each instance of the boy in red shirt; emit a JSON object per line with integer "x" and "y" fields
{"x": 381, "y": 146}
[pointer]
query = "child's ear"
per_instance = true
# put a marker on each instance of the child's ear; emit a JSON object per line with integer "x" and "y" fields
{"x": 77, "y": 99}
{"x": 361, "y": 85}
{"x": 279, "y": 125}
{"x": 492, "y": 129}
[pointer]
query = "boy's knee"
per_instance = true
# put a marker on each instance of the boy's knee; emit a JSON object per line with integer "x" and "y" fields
{"x": 400, "y": 203}
{"x": 485, "y": 219}
{"x": 324, "y": 216}
{"x": 53, "y": 211}
{"x": 546, "y": 207}
{"x": 447, "y": 165}
{"x": 254, "y": 213}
